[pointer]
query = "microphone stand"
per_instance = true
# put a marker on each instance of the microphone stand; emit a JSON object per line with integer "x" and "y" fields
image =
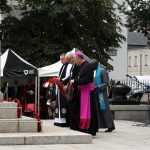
{"x": 148, "y": 94}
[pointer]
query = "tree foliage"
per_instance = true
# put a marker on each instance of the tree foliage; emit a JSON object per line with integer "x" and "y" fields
{"x": 138, "y": 16}
{"x": 3, "y": 6}
{"x": 50, "y": 26}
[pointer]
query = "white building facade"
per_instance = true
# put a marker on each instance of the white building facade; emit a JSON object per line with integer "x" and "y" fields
{"x": 119, "y": 62}
{"x": 139, "y": 62}
{"x": 138, "y": 55}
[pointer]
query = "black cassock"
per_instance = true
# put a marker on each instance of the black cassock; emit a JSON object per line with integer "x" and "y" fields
{"x": 61, "y": 102}
{"x": 85, "y": 76}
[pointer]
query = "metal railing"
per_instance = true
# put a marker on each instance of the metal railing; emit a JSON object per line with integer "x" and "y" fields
{"x": 135, "y": 85}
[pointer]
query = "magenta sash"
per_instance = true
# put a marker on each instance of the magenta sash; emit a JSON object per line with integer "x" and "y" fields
{"x": 85, "y": 108}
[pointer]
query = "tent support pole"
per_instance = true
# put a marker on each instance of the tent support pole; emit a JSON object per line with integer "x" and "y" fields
{"x": 1, "y": 94}
{"x": 39, "y": 95}
{"x": 0, "y": 67}
{"x": 36, "y": 94}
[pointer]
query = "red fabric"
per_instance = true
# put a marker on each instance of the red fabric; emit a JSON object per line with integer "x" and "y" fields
{"x": 30, "y": 107}
{"x": 19, "y": 107}
{"x": 61, "y": 87}
{"x": 45, "y": 84}
{"x": 84, "y": 123}
{"x": 53, "y": 80}
{"x": 39, "y": 121}
{"x": 65, "y": 93}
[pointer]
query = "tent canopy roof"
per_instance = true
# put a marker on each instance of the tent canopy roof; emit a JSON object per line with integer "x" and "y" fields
{"x": 12, "y": 65}
{"x": 51, "y": 70}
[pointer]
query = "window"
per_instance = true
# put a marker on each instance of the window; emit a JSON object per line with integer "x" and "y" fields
{"x": 146, "y": 60}
{"x": 135, "y": 61}
{"x": 129, "y": 61}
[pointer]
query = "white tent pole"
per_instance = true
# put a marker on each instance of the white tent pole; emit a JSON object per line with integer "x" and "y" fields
{"x": 36, "y": 94}
{"x": 0, "y": 66}
{"x": 1, "y": 94}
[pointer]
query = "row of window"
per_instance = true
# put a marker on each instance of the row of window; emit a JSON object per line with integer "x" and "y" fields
{"x": 138, "y": 61}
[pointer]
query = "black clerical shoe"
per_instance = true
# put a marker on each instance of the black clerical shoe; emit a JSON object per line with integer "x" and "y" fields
{"x": 110, "y": 129}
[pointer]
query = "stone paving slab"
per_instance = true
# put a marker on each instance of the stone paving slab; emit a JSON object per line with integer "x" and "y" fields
{"x": 49, "y": 135}
{"x": 125, "y": 137}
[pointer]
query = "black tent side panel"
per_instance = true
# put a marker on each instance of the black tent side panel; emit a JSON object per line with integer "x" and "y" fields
{"x": 15, "y": 67}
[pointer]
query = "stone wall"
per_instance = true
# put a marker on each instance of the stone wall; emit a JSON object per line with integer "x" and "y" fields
{"x": 143, "y": 66}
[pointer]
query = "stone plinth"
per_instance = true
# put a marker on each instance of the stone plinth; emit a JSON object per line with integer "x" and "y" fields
{"x": 27, "y": 124}
{"x": 8, "y": 113}
{"x": 139, "y": 113}
{"x": 10, "y": 123}
{"x": 8, "y": 104}
{"x": 24, "y": 124}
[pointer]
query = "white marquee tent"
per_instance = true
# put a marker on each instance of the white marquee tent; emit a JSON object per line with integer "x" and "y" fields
{"x": 51, "y": 70}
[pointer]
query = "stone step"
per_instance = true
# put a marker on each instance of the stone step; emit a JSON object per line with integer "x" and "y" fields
{"x": 8, "y": 104}
{"x": 8, "y": 112}
{"x": 49, "y": 135}
{"x": 24, "y": 124}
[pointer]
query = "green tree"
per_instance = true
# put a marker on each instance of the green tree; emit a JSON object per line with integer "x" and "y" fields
{"x": 55, "y": 25}
{"x": 138, "y": 16}
{"x": 3, "y": 6}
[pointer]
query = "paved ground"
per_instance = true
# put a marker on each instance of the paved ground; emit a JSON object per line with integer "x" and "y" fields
{"x": 126, "y": 137}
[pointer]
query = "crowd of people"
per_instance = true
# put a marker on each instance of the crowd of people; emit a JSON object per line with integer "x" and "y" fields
{"x": 80, "y": 100}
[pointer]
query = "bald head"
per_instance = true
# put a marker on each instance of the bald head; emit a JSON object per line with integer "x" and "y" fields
{"x": 69, "y": 57}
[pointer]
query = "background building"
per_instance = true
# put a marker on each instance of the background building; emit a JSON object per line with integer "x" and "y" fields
{"x": 119, "y": 56}
{"x": 138, "y": 54}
